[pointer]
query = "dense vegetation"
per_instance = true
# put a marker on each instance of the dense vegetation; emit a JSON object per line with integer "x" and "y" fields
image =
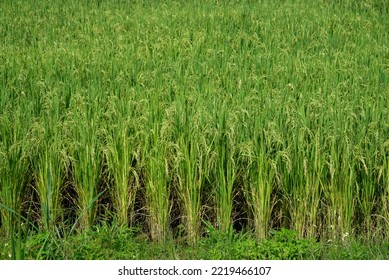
{"x": 122, "y": 243}
{"x": 173, "y": 115}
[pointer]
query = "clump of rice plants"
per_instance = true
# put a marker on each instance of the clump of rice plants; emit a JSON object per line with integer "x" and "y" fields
{"x": 14, "y": 171}
{"x": 121, "y": 152}
{"x": 50, "y": 162}
{"x": 191, "y": 170}
{"x": 157, "y": 175}
{"x": 85, "y": 151}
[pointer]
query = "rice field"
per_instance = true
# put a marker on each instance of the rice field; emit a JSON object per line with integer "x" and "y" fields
{"x": 175, "y": 115}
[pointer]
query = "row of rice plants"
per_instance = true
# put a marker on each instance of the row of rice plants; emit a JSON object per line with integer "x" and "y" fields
{"x": 272, "y": 115}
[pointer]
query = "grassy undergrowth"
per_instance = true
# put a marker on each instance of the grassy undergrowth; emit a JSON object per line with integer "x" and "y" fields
{"x": 107, "y": 242}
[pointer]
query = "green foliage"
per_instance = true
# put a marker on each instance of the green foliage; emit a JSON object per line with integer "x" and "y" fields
{"x": 285, "y": 245}
{"x": 282, "y": 245}
{"x": 118, "y": 242}
{"x": 245, "y": 114}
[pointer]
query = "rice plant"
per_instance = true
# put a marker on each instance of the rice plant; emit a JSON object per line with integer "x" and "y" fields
{"x": 157, "y": 175}
{"x": 85, "y": 151}
{"x": 120, "y": 151}
{"x": 192, "y": 155}
{"x": 225, "y": 171}
{"x": 260, "y": 184}
{"x": 14, "y": 169}
{"x": 50, "y": 162}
